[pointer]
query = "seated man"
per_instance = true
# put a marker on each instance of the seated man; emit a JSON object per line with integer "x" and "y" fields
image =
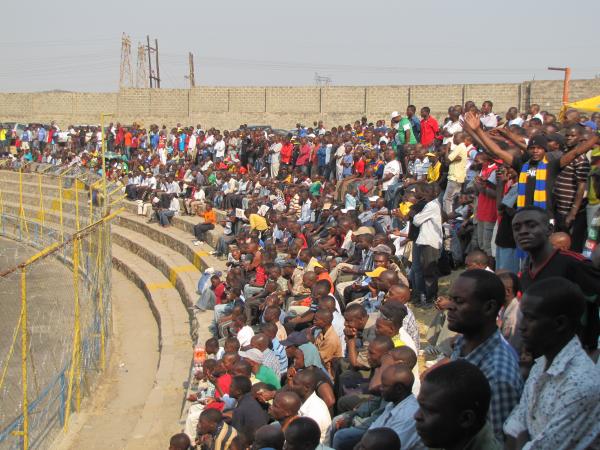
{"x": 210, "y": 219}
{"x": 560, "y": 404}
{"x": 303, "y": 434}
{"x": 396, "y": 389}
{"x": 379, "y": 438}
{"x": 213, "y": 431}
{"x": 313, "y": 406}
{"x": 248, "y": 415}
{"x": 453, "y": 405}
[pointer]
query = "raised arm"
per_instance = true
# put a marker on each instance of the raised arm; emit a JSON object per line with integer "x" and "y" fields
{"x": 582, "y": 147}
{"x": 472, "y": 125}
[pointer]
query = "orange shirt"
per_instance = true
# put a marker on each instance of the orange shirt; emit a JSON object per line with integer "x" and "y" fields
{"x": 128, "y": 139}
{"x": 210, "y": 217}
{"x": 325, "y": 276}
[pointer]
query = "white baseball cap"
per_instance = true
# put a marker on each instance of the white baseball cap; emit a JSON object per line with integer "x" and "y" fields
{"x": 395, "y": 114}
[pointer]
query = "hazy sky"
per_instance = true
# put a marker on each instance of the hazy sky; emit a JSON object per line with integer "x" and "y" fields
{"x": 75, "y": 44}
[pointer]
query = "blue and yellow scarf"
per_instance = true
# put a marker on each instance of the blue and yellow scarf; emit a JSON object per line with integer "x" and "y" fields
{"x": 539, "y": 194}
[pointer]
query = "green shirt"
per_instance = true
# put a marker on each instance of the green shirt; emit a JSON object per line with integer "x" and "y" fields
{"x": 212, "y": 178}
{"x": 266, "y": 375}
{"x": 315, "y": 189}
{"x": 400, "y": 135}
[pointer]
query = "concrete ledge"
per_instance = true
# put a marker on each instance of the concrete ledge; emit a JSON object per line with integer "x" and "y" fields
{"x": 164, "y": 404}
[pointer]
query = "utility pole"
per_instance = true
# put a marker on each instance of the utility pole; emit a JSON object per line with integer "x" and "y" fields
{"x": 141, "y": 80}
{"x": 152, "y": 77}
{"x": 149, "y": 60}
{"x": 126, "y": 71}
{"x": 157, "y": 78}
{"x": 567, "y": 71}
{"x": 191, "y": 76}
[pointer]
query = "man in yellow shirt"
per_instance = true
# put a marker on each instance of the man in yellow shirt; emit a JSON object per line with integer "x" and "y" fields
{"x": 457, "y": 170}
{"x": 435, "y": 166}
{"x": 257, "y": 222}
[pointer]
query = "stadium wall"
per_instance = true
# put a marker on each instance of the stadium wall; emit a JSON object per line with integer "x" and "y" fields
{"x": 280, "y": 107}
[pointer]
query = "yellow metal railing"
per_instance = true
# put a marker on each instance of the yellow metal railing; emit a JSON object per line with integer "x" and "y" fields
{"x": 81, "y": 242}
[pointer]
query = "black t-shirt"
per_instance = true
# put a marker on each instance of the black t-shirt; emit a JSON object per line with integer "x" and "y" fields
{"x": 575, "y": 268}
{"x": 552, "y": 170}
{"x": 504, "y": 236}
{"x": 413, "y": 230}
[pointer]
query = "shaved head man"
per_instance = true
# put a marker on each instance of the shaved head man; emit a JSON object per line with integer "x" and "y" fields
{"x": 285, "y": 407}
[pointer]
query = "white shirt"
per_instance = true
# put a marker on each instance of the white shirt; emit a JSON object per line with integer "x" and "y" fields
{"x": 174, "y": 205}
{"x": 338, "y": 325}
{"x": 192, "y": 142}
{"x": 560, "y": 407}
{"x": 489, "y": 120}
{"x": 430, "y": 221}
{"x": 220, "y": 149}
{"x": 173, "y": 188}
{"x": 150, "y": 182}
{"x": 452, "y": 128}
{"x": 245, "y": 335}
{"x": 392, "y": 167}
{"x": 315, "y": 408}
{"x": 400, "y": 418}
{"x": 516, "y": 121}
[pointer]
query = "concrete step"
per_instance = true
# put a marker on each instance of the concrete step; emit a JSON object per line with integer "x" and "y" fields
{"x": 184, "y": 223}
{"x": 174, "y": 238}
{"x": 165, "y": 401}
{"x": 174, "y": 266}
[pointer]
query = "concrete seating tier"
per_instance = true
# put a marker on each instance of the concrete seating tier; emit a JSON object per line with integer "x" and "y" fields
{"x": 185, "y": 223}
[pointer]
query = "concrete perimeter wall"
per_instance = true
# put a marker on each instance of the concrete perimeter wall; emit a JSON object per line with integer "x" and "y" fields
{"x": 280, "y": 107}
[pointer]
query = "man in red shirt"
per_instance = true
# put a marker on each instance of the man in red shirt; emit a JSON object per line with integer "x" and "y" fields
{"x": 429, "y": 128}
{"x": 487, "y": 211}
{"x": 286, "y": 153}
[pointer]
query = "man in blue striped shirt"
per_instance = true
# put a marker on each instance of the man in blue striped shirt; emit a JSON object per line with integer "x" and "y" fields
{"x": 475, "y": 299}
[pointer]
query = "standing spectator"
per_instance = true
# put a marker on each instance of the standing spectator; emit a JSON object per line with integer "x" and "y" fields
{"x": 569, "y": 194}
{"x": 429, "y": 129}
{"x": 532, "y": 230}
{"x": 457, "y": 170}
{"x": 488, "y": 118}
{"x": 427, "y": 246}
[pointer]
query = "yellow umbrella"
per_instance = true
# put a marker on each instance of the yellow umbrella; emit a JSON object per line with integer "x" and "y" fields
{"x": 588, "y": 104}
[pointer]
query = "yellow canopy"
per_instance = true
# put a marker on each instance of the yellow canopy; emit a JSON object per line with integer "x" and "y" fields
{"x": 588, "y": 104}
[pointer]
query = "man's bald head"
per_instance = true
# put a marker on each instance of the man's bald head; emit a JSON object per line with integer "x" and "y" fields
{"x": 309, "y": 279}
{"x": 179, "y": 441}
{"x": 260, "y": 341}
{"x": 560, "y": 240}
{"x": 396, "y": 382}
{"x": 404, "y": 355}
{"x": 269, "y": 436}
{"x": 398, "y": 293}
{"x": 388, "y": 278}
{"x": 288, "y": 401}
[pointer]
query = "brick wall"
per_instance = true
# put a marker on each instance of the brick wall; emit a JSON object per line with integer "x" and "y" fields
{"x": 281, "y": 107}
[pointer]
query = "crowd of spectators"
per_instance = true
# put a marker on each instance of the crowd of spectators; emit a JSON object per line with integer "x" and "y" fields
{"x": 334, "y": 238}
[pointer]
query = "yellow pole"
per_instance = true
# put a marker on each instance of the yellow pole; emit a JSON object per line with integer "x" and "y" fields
{"x": 76, "y": 204}
{"x": 99, "y": 265}
{"x": 1, "y": 208}
{"x": 42, "y": 213}
{"x": 60, "y": 202}
{"x": 103, "y": 162}
{"x": 76, "y": 335}
{"x": 24, "y": 357}
{"x": 23, "y": 219}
